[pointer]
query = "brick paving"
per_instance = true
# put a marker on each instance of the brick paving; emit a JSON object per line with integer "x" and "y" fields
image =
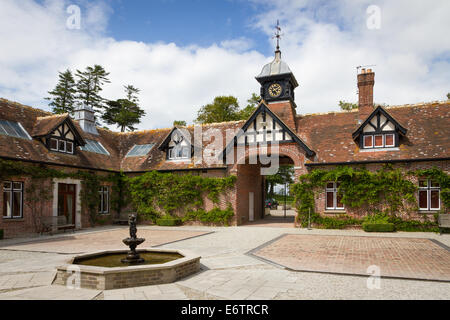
{"x": 397, "y": 257}
{"x": 106, "y": 240}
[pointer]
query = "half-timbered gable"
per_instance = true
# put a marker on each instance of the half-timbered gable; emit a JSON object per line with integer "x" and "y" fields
{"x": 58, "y": 134}
{"x": 379, "y": 131}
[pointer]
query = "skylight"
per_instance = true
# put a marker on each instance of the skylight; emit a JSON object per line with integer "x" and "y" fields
{"x": 94, "y": 146}
{"x": 13, "y": 129}
{"x": 140, "y": 150}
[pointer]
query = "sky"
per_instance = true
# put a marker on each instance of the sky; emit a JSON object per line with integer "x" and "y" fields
{"x": 183, "y": 53}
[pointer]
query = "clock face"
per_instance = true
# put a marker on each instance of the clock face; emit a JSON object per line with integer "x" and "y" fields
{"x": 275, "y": 90}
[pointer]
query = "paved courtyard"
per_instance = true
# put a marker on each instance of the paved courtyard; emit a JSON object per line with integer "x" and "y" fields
{"x": 229, "y": 269}
{"x": 396, "y": 257}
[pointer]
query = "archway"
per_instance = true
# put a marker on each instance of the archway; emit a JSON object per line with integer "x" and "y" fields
{"x": 251, "y": 191}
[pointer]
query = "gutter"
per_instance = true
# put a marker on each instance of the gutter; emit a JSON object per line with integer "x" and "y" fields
{"x": 374, "y": 161}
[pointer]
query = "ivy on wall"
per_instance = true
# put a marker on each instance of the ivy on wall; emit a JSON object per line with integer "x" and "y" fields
{"x": 154, "y": 194}
{"x": 389, "y": 190}
{"x": 35, "y": 194}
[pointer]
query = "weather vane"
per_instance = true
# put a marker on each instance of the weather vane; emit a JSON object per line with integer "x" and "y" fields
{"x": 278, "y": 34}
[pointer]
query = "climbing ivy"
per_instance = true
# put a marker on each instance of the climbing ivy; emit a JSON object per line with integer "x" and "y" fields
{"x": 388, "y": 189}
{"x": 39, "y": 174}
{"x": 155, "y": 193}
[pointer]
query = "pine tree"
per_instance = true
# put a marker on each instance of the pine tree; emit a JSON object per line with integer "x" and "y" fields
{"x": 124, "y": 113}
{"x": 89, "y": 85}
{"x": 63, "y": 96}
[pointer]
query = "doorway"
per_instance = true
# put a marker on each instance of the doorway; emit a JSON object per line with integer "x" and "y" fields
{"x": 66, "y": 201}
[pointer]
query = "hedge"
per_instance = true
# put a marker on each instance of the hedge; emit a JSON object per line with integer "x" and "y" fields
{"x": 168, "y": 222}
{"x": 1, "y": 234}
{"x": 378, "y": 227}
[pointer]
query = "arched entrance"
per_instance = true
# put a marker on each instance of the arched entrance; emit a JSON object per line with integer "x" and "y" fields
{"x": 252, "y": 191}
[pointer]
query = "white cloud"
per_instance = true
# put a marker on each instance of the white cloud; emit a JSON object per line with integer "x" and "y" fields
{"x": 324, "y": 42}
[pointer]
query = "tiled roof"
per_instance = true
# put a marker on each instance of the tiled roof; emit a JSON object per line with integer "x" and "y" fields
{"x": 328, "y": 134}
{"x": 44, "y": 125}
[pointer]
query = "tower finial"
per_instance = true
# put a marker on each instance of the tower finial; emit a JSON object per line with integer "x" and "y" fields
{"x": 278, "y": 34}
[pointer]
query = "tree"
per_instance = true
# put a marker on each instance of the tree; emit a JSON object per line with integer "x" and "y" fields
{"x": 284, "y": 176}
{"x": 226, "y": 108}
{"x": 89, "y": 85}
{"x": 179, "y": 123}
{"x": 448, "y": 96}
{"x": 253, "y": 102}
{"x": 63, "y": 96}
{"x": 347, "y": 106}
{"x": 124, "y": 113}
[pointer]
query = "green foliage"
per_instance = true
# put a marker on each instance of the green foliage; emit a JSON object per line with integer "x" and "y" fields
{"x": 377, "y": 218}
{"x": 89, "y": 85}
{"x": 285, "y": 175}
{"x": 448, "y": 96}
{"x": 216, "y": 216}
{"x": 347, "y": 106}
{"x": 1, "y": 234}
{"x": 226, "y": 108}
{"x": 378, "y": 227}
{"x": 441, "y": 177}
{"x": 179, "y": 123}
{"x": 63, "y": 96}
{"x": 359, "y": 188}
{"x": 124, "y": 113}
{"x": 338, "y": 222}
{"x": 35, "y": 192}
{"x": 168, "y": 221}
{"x": 154, "y": 191}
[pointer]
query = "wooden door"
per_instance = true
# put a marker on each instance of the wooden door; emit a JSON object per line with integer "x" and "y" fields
{"x": 66, "y": 201}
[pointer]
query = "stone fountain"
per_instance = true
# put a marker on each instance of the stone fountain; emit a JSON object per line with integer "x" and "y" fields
{"x": 108, "y": 269}
{"x": 133, "y": 241}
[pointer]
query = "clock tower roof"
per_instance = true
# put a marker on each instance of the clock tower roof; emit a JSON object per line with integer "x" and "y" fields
{"x": 276, "y": 68}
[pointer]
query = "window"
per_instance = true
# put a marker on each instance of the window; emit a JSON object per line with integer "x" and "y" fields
{"x": 429, "y": 195}
{"x": 61, "y": 145}
{"x": 379, "y": 141}
{"x": 179, "y": 152}
{"x": 103, "y": 206}
{"x": 94, "y": 146}
{"x": 13, "y": 129}
{"x": 333, "y": 199}
{"x": 140, "y": 150}
{"x": 368, "y": 141}
{"x": 12, "y": 200}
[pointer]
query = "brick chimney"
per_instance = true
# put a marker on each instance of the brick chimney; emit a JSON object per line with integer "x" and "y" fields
{"x": 366, "y": 81}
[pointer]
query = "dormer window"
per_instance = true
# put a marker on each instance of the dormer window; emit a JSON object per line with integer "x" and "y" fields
{"x": 63, "y": 146}
{"x": 177, "y": 145}
{"x": 379, "y": 131}
{"x": 379, "y": 141}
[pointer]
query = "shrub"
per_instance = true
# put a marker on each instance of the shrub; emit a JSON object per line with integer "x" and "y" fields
{"x": 216, "y": 216}
{"x": 1, "y": 234}
{"x": 168, "y": 221}
{"x": 378, "y": 227}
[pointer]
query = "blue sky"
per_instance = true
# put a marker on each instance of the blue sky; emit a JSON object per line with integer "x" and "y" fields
{"x": 183, "y": 53}
{"x": 186, "y": 22}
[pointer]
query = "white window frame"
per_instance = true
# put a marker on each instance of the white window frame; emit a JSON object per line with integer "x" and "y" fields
{"x": 335, "y": 192}
{"x": 382, "y": 140}
{"x": 175, "y": 150}
{"x": 364, "y": 142}
{"x": 393, "y": 140}
{"x": 104, "y": 191}
{"x": 429, "y": 189}
{"x": 11, "y": 190}
{"x": 58, "y": 149}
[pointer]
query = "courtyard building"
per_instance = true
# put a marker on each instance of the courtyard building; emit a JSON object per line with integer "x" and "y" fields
{"x": 408, "y": 137}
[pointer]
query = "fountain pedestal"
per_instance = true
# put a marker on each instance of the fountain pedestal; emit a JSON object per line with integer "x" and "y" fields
{"x": 133, "y": 241}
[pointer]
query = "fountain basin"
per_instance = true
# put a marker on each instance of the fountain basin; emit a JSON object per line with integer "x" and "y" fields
{"x": 103, "y": 277}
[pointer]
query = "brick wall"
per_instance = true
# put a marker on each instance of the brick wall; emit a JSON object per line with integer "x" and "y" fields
{"x": 320, "y": 201}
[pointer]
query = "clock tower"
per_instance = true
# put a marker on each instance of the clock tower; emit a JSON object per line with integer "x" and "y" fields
{"x": 277, "y": 86}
